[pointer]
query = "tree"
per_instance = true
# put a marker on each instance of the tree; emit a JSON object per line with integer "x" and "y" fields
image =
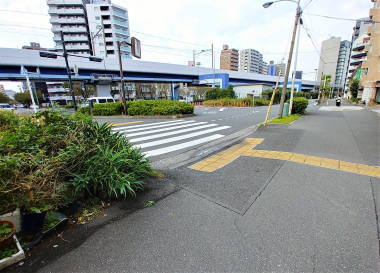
{"x": 4, "y": 98}
{"x": 79, "y": 89}
{"x": 220, "y": 93}
{"x": 25, "y": 98}
{"x": 354, "y": 88}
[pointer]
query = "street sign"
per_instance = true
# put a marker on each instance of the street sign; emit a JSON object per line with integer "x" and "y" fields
{"x": 136, "y": 48}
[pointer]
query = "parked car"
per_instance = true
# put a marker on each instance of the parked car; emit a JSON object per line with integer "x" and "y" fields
{"x": 6, "y": 106}
{"x": 96, "y": 100}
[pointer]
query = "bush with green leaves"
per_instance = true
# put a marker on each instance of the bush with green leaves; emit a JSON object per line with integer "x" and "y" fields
{"x": 261, "y": 102}
{"x": 299, "y": 105}
{"x": 159, "y": 107}
{"x": 50, "y": 158}
{"x": 221, "y": 93}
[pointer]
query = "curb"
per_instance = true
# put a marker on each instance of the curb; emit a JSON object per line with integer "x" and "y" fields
{"x": 203, "y": 151}
{"x": 145, "y": 117}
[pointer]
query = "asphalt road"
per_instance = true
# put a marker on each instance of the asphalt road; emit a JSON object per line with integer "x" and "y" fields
{"x": 163, "y": 138}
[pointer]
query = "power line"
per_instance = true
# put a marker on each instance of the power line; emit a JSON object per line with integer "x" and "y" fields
{"x": 22, "y": 26}
{"x": 307, "y": 4}
{"x": 313, "y": 43}
{"x": 339, "y": 18}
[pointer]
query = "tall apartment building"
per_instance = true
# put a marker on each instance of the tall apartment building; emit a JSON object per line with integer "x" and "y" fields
{"x": 69, "y": 16}
{"x": 90, "y": 27}
{"x": 280, "y": 69}
{"x": 371, "y": 75}
{"x": 252, "y": 61}
{"x": 2, "y": 89}
{"x": 342, "y": 64}
{"x": 334, "y": 60}
{"x": 108, "y": 23}
{"x": 272, "y": 69}
{"x": 229, "y": 58}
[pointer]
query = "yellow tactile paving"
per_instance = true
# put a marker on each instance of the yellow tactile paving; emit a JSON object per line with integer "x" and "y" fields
{"x": 125, "y": 123}
{"x": 245, "y": 148}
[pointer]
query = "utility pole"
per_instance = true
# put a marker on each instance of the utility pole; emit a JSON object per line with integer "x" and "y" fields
{"x": 295, "y": 69}
{"x": 68, "y": 72}
{"x": 288, "y": 66}
{"x": 121, "y": 77}
{"x": 213, "y": 63}
{"x": 316, "y": 78}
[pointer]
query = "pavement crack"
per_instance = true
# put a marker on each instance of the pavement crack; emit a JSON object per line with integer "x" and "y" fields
{"x": 263, "y": 188}
{"x": 376, "y": 213}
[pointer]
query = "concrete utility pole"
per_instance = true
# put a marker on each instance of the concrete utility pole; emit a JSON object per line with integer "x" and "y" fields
{"x": 295, "y": 69}
{"x": 65, "y": 55}
{"x": 122, "y": 89}
{"x": 288, "y": 66}
{"x": 31, "y": 93}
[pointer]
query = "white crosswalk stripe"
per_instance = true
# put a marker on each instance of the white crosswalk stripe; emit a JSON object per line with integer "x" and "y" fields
{"x": 165, "y": 137}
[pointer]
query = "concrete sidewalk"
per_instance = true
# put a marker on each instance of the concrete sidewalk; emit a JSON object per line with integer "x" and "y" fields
{"x": 256, "y": 214}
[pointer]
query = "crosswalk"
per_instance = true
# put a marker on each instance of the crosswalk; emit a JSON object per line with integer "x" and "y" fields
{"x": 160, "y": 138}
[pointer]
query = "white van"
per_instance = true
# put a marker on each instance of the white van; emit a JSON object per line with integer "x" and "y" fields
{"x": 96, "y": 100}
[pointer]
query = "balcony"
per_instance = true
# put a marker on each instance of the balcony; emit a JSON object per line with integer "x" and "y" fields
{"x": 65, "y": 2}
{"x": 122, "y": 32}
{"x": 79, "y": 20}
{"x": 74, "y": 38}
{"x": 121, "y": 23}
{"x": 69, "y": 29}
{"x": 359, "y": 55}
{"x": 73, "y": 47}
{"x": 77, "y": 11}
{"x": 359, "y": 47}
{"x": 120, "y": 14}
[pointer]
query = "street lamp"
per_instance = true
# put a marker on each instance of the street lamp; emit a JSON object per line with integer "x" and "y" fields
{"x": 288, "y": 66}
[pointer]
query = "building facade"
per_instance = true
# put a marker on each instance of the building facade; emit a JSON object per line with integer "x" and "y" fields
{"x": 272, "y": 69}
{"x": 342, "y": 64}
{"x": 69, "y": 16}
{"x": 371, "y": 74}
{"x": 229, "y": 59}
{"x": 252, "y": 61}
{"x": 90, "y": 27}
{"x": 280, "y": 69}
{"x": 108, "y": 24}
{"x": 34, "y": 46}
{"x": 329, "y": 58}
{"x": 361, "y": 27}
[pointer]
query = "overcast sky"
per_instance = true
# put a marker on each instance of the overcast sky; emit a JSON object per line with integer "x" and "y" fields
{"x": 170, "y": 29}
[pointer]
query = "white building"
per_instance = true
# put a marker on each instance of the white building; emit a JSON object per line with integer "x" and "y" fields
{"x": 252, "y": 61}
{"x": 108, "y": 23}
{"x": 249, "y": 90}
{"x": 69, "y": 16}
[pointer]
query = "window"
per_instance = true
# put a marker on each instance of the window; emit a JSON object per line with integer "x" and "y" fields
{"x": 97, "y": 18}
{"x": 101, "y": 44}
{"x": 102, "y": 100}
{"x": 109, "y": 100}
{"x": 109, "y": 43}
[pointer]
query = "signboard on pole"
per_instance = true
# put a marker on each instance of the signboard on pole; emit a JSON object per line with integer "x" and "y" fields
{"x": 136, "y": 47}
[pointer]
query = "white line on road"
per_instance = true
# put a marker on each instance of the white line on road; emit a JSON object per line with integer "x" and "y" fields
{"x": 134, "y": 140}
{"x": 144, "y": 125}
{"x": 182, "y": 145}
{"x": 164, "y": 129}
{"x": 182, "y": 137}
{"x": 157, "y": 126}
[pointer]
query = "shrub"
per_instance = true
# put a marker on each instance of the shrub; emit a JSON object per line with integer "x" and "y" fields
{"x": 104, "y": 109}
{"x": 220, "y": 93}
{"x": 299, "y": 105}
{"x": 69, "y": 106}
{"x": 261, "y": 102}
{"x": 49, "y": 158}
{"x": 159, "y": 107}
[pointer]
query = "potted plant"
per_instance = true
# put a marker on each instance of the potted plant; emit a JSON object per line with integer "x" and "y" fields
{"x": 32, "y": 219}
{"x": 7, "y": 230}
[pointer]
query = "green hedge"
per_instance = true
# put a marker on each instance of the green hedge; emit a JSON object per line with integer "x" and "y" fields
{"x": 142, "y": 108}
{"x": 299, "y": 105}
{"x": 261, "y": 102}
{"x": 236, "y": 102}
{"x": 159, "y": 107}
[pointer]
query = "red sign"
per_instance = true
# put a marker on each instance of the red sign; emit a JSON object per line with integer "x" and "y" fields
{"x": 136, "y": 48}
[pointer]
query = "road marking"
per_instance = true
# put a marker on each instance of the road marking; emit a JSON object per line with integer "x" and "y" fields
{"x": 125, "y": 123}
{"x": 182, "y": 137}
{"x": 245, "y": 148}
{"x": 163, "y": 129}
{"x": 137, "y": 126}
{"x": 134, "y": 140}
{"x": 156, "y": 126}
{"x": 182, "y": 145}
